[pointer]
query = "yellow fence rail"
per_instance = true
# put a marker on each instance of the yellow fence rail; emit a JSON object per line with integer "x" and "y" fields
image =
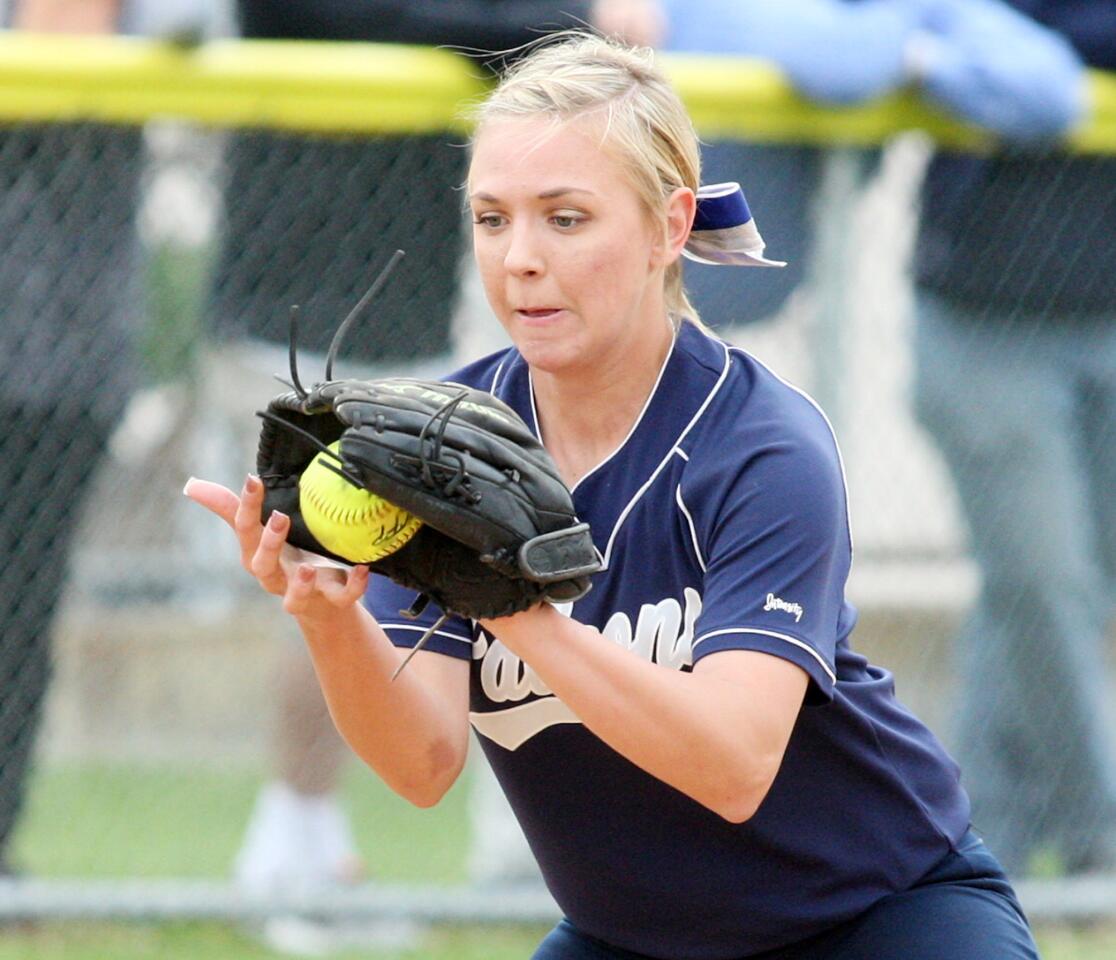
{"x": 383, "y": 89}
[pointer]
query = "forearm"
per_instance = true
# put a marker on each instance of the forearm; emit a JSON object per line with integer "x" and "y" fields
{"x": 414, "y": 731}
{"x": 716, "y": 741}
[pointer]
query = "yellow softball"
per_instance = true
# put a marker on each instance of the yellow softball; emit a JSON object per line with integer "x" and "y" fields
{"x": 348, "y": 521}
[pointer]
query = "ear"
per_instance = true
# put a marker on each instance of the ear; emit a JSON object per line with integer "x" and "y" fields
{"x": 681, "y": 207}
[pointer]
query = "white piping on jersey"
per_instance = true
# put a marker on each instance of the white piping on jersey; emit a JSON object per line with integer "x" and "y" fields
{"x": 635, "y": 425}
{"x": 496, "y": 378}
{"x": 713, "y": 392}
{"x": 420, "y": 629}
{"x": 832, "y": 433}
{"x": 778, "y": 636}
{"x": 689, "y": 520}
{"x": 659, "y": 469}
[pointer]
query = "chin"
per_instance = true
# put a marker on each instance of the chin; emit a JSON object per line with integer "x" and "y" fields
{"x": 547, "y": 353}
{"x": 548, "y": 358}
{"x": 552, "y": 359}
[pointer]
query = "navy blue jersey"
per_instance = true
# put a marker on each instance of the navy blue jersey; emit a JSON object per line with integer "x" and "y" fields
{"x": 722, "y": 521}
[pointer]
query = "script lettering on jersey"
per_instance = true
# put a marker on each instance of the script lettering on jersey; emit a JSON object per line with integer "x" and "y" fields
{"x": 663, "y": 633}
{"x": 778, "y": 603}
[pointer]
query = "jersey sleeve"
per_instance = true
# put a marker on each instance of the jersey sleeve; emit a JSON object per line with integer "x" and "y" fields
{"x": 773, "y": 540}
{"x": 386, "y": 600}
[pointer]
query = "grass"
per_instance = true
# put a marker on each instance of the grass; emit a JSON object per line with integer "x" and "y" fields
{"x": 117, "y": 821}
{"x": 125, "y": 821}
{"x": 190, "y": 941}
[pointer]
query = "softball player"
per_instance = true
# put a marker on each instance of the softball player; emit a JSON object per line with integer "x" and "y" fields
{"x": 702, "y": 764}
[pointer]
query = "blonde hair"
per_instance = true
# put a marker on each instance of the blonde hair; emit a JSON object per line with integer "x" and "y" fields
{"x": 572, "y": 74}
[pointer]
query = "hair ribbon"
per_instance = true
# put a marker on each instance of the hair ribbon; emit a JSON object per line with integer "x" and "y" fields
{"x": 724, "y": 233}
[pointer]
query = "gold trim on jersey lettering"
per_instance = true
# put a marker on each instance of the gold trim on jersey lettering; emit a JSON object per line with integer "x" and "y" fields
{"x": 778, "y": 636}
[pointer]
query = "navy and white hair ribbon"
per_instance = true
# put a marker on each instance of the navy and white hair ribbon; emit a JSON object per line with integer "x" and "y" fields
{"x": 724, "y": 232}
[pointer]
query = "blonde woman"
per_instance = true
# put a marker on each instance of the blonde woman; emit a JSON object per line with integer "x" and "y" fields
{"x": 702, "y": 764}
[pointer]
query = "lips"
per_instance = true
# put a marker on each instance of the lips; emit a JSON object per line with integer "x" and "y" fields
{"x": 538, "y": 313}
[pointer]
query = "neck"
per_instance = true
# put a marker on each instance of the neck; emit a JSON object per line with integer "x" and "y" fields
{"x": 584, "y": 417}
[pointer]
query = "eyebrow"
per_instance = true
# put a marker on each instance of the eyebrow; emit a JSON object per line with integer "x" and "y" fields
{"x": 545, "y": 195}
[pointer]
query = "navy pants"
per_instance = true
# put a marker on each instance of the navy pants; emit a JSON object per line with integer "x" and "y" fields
{"x": 964, "y": 909}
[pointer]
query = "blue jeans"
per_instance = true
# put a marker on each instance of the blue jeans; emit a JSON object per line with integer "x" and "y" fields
{"x": 1024, "y": 412}
{"x": 964, "y": 909}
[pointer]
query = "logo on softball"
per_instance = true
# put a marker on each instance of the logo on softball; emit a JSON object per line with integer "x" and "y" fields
{"x": 350, "y": 521}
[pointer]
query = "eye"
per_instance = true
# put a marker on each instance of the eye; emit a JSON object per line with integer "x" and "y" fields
{"x": 490, "y": 220}
{"x": 565, "y": 221}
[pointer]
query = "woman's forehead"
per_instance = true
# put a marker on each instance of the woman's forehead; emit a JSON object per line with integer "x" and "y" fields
{"x": 542, "y": 154}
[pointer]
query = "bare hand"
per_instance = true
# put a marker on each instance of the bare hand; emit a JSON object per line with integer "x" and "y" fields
{"x": 641, "y": 23}
{"x": 308, "y": 592}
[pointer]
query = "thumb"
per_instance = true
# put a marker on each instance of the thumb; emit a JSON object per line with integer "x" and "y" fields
{"x": 214, "y": 497}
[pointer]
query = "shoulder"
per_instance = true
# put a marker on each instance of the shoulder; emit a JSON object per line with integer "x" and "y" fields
{"x": 754, "y": 413}
{"x": 761, "y": 440}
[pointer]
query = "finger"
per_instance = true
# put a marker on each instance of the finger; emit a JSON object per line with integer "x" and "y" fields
{"x": 301, "y": 587}
{"x": 344, "y": 593}
{"x": 266, "y": 564}
{"x": 214, "y": 497}
{"x": 246, "y": 521}
{"x": 340, "y": 589}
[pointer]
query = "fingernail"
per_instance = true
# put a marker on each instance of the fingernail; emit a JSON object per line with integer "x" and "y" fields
{"x": 252, "y": 484}
{"x": 278, "y": 521}
{"x": 186, "y": 486}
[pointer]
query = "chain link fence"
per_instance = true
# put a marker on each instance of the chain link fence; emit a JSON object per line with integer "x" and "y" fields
{"x": 145, "y": 281}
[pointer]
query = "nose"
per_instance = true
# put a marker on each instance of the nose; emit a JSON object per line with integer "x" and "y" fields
{"x": 523, "y": 256}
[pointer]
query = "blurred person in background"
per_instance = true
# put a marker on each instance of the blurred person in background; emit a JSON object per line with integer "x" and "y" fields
{"x": 310, "y": 221}
{"x": 1016, "y": 380}
{"x": 804, "y": 39}
{"x": 1016, "y": 369}
{"x": 70, "y": 305}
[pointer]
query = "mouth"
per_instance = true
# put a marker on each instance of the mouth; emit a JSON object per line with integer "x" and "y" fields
{"x": 538, "y": 314}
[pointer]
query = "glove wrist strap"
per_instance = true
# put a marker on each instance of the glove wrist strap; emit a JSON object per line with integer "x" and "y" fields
{"x": 561, "y": 555}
